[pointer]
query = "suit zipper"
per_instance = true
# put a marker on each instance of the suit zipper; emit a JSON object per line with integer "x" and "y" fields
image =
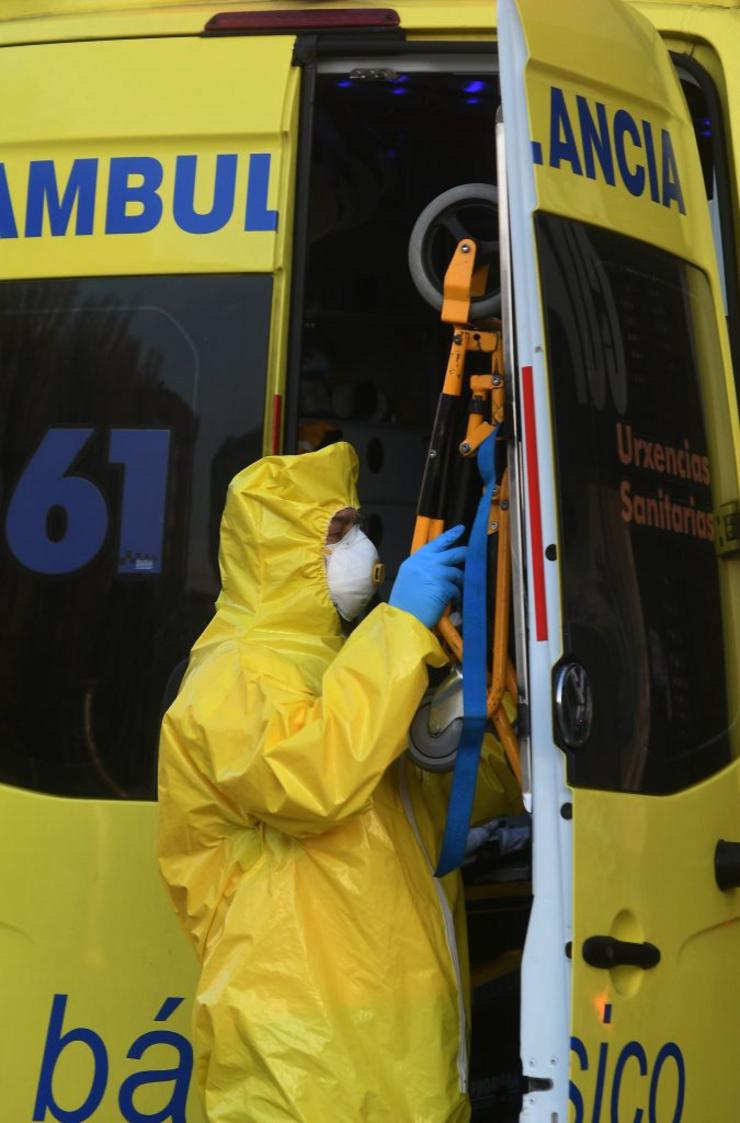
{"x": 449, "y": 927}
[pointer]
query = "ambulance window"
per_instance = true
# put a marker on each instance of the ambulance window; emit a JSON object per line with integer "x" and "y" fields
{"x": 128, "y": 404}
{"x": 628, "y": 330}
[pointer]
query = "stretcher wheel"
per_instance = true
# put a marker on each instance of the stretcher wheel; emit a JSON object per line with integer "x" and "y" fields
{"x": 467, "y": 211}
{"x": 434, "y": 752}
{"x": 437, "y": 726}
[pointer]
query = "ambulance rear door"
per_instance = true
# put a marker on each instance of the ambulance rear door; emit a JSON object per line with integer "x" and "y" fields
{"x": 627, "y": 423}
{"x": 146, "y": 191}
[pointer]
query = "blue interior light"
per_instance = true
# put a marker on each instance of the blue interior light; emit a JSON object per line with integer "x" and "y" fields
{"x": 474, "y": 87}
{"x": 472, "y": 101}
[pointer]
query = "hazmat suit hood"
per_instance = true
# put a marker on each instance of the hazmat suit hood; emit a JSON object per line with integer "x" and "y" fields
{"x": 271, "y": 556}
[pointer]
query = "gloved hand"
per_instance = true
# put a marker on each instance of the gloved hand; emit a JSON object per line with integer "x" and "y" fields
{"x": 429, "y": 579}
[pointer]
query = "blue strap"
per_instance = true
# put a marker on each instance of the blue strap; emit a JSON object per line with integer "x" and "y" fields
{"x": 475, "y": 634}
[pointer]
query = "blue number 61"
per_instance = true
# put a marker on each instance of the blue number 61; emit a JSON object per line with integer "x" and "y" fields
{"x": 45, "y": 486}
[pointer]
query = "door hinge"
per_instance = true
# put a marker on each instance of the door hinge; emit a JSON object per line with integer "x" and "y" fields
{"x": 727, "y": 528}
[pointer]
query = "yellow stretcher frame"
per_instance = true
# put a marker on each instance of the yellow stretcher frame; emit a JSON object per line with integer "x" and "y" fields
{"x": 487, "y": 408}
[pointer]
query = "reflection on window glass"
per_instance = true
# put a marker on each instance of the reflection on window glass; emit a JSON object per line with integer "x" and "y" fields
{"x": 641, "y": 600}
{"x": 128, "y": 404}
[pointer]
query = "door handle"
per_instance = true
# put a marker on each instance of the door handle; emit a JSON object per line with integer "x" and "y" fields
{"x": 727, "y": 864}
{"x": 605, "y": 951}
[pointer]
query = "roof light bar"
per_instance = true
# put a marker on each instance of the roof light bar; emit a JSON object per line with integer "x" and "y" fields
{"x": 307, "y": 19}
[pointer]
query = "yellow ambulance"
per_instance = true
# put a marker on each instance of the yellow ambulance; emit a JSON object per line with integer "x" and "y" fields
{"x": 205, "y": 214}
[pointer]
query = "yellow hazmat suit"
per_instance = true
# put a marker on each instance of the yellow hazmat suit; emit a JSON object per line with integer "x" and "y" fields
{"x": 298, "y": 845}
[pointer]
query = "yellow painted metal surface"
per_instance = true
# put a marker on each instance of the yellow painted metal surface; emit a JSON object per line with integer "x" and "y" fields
{"x": 134, "y": 110}
{"x": 91, "y": 952}
{"x": 22, "y": 21}
{"x": 644, "y": 870}
{"x": 710, "y": 35}
{"x": 654, "y": 191}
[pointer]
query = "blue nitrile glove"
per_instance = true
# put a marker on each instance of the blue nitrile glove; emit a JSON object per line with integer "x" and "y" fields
{"x": 429, "y": 579}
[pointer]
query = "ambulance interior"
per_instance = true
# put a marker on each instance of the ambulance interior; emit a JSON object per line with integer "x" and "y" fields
{"x": 389, "y": 138}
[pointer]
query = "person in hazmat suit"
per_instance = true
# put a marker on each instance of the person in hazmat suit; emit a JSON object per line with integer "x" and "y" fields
{"x": 296, "y": 840}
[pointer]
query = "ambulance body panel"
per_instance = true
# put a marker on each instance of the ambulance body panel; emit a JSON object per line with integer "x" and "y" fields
{"x": 167, "y": 274}
{"x": 107, "y": 199}
{"x": 196, "y": 188}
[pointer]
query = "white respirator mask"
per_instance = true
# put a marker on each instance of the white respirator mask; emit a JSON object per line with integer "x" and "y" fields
{"x": 353, "y": 572}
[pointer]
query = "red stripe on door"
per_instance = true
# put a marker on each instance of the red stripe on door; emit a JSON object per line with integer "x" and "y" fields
{"x": 535, "y": 507}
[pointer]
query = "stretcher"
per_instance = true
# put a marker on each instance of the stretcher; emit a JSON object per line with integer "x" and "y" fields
{"x": 476, "y": 343}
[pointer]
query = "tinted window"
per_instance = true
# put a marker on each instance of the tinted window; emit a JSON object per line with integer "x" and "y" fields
{"x": 641, "y": 598}
{"x": 128, "y": 404}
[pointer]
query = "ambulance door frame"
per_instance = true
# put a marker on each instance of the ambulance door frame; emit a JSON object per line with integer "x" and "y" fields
{"x": 727, "y": 261}
{"x": 304, "y": 56}
{"x": 546, "y": 969}
{"x": 514, "y": 463}
{"x": 308, "y": 53}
